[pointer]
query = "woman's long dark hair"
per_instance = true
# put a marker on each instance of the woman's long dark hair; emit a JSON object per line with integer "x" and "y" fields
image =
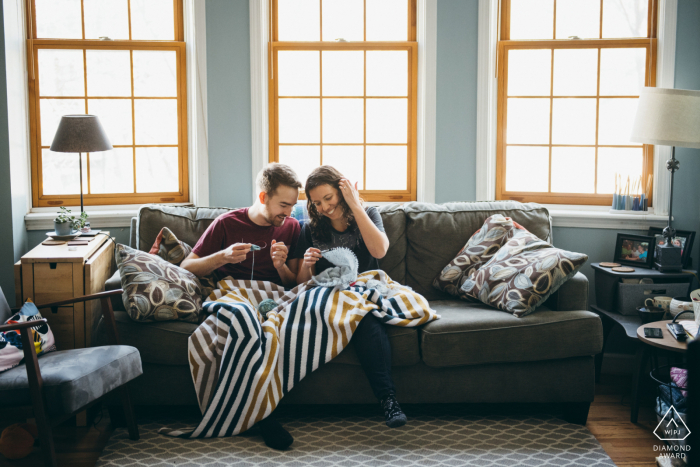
{"x": 320, "y": 224}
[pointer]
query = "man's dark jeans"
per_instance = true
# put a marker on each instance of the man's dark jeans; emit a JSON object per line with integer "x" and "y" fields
{"x": 372, "y": 346}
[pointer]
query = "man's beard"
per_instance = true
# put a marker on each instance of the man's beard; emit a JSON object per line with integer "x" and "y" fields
{"x": 277, "y": 221}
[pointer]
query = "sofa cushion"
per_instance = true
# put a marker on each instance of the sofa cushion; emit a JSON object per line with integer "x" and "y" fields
{"x": 436, "y": 232}
{"x": 394, "y": 262}
{"x": 474, "y": 334}
{"x": 404, "y": 348}
{"x": 187, "y": 223}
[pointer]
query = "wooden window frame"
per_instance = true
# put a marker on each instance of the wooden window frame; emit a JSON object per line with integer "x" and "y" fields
{"x": 505, "y": 45}
{"x": 177, "y": 45}
{"x": 410, "y": 46}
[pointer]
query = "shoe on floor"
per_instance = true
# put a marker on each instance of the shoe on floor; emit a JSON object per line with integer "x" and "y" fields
{"x": 274, "y": 435}
{"x": 393, "y": 415}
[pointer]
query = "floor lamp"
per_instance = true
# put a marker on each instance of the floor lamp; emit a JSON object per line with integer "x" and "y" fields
{"x": 80, "y": 133}
{"x": 668, "y": 117}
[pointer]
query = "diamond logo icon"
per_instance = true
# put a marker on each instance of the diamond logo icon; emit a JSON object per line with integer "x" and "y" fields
{"x": 671, "y": 427}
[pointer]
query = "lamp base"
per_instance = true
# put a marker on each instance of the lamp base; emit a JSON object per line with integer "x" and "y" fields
{"x": 668, "y": 258}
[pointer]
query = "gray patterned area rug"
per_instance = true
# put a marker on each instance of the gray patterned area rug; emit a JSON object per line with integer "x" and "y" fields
{"x": 358, "y": 437}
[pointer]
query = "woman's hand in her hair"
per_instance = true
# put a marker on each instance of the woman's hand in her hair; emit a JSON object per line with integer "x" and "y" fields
{"x": 311, "y": 256}
{"x": 350, "y": 194}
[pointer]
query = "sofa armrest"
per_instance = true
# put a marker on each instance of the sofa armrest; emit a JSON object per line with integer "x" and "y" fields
{"x": 132, "y": 233}
{"x": 114, "y": 283}
{"x": 572, "y": 295}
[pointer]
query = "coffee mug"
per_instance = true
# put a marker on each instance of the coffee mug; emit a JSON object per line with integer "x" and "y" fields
{"x": 660, "y": 303}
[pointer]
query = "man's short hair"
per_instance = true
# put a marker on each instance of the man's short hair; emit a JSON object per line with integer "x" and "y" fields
{"x": 274, "y": 175}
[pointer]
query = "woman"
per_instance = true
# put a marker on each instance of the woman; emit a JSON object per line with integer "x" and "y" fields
{"x": 338, "y": 219}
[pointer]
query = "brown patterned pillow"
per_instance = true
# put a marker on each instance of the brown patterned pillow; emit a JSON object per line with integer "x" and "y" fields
{"x": 155, "y": 290}
{"x": 480, "y": 248}
{"x": 523, "y": 274}
{"x": 174, "y": 251}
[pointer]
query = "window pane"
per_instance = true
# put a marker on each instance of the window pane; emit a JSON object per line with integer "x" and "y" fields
{"x": 625, "y": 18}
{"x": 343, "y": 73}
{"x": 112, "y": 171}
{"x": 387, "y": 121}
{"x": 531, "y": 19}
{"x": 573, "y": 170}
{"x": 61, "y": 72}
{"x": 299, "y": 120}
{"x": 387, "y": 167}
{"x": 573, "y": 121}
{"x": 152, "y": 20}
{"x": 298, "y": 73}
{"x": 156, "y": 121}
{"x": 527, "y": 168}
{"x": 343, "y": 121}
{"x": 343, "y": 20}
{"x": 622, "y": 71}
{"x": 60, "y": 173}
{"x": 349, "y": 160}
{"x": 529, "y": 72}
{"x": 106, "y": 18}
{"x": 51, "y": 112}
{"x": 575, "y": 72}
{"x": 298, "y": 20}
{"x": 108, "y": 73}
{"x": 387, "y": 20}
{"x": 528, "y": 121}
{"x": 628, "y": 162}
{"x": 58, "y": 19}
{"x": 155, "y": 73}
{"x": 387, "y": 73}
{"x": 157, "y": 170}
{"x": 578, "y": 18}
{"x": 303, "y": 159}
{"x": 615, "y": 120}
{"x": 115, "y": 117}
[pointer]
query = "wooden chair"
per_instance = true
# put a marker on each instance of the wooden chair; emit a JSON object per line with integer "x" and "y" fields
{"x": 60, "y": 384}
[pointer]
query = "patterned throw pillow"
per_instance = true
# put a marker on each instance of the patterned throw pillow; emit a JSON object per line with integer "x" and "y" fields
{"x": 485, "y": 242}
{"x": 523, "y": 274}
{"x": 155, "y": 290}
{"x": 174, "y": 251}
{"x": 11, "y": 353}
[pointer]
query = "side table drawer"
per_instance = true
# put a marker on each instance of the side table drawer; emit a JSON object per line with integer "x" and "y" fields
{"x": 61, "y": 324}
{"x": 52, "y": 282}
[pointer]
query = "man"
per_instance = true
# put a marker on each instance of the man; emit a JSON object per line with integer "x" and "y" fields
{"x": 226, "y": 247}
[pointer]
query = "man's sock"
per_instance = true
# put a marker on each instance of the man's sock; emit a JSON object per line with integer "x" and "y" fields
{"x": 274, "y": 434}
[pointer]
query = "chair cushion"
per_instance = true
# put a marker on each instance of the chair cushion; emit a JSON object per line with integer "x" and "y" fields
{"x": 473, "y": 334}
{"x": 73, "y": 378}
{"x": 163, "y": 343}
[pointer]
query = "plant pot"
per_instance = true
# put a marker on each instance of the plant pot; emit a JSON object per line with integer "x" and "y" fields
{"x": 62, "y": 228}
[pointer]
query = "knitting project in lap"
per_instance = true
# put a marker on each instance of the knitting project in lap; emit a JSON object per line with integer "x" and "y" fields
{"x": 242, "y": 366}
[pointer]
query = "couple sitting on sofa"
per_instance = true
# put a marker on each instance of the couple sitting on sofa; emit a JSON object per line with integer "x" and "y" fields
{"x": 337, "y": 219}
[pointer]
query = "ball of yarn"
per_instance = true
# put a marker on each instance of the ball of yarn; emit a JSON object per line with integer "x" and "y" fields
{"x": 17, "y": 440}
{"x": 266, "y": 306}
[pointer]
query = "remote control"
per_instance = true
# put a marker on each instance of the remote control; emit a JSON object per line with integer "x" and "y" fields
{"x": 677, "y": 331}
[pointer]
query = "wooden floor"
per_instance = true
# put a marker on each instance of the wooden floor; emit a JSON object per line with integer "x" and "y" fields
{"x": 609, "y": 421}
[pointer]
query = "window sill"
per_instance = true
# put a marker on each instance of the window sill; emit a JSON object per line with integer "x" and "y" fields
{"x": 100, "y": 216}
{"x": 600, "y": 217}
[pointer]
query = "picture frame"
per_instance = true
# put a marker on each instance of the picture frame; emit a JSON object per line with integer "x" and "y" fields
{"x": 686, "y": 239}
{"x": 635, "y": 250}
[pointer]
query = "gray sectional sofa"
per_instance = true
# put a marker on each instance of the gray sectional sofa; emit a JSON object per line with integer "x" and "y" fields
{"x": 473, "y": 354}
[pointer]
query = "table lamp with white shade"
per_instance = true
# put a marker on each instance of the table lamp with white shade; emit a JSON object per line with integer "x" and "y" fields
{"x": 80, "y": 133}
{"x": 668, "y": 117}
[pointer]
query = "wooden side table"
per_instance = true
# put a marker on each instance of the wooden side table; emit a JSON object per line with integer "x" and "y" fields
{"x": 668, "y": 343}
{"x": 53, "y": 273}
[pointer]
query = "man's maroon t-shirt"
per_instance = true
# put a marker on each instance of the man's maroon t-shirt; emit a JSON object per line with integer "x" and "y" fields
{"x": 236, "y": 227}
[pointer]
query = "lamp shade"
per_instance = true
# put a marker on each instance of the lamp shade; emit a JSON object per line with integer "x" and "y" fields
{"x": 670, "y": 117}
{"x": 80, "y": 133}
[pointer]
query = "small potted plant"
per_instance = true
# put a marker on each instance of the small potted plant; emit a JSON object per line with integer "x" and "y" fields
{"x": 81, "y": 223}
{"x": 63, "y": 223}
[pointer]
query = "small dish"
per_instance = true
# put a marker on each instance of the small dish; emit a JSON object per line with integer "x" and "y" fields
{"x": 649, "y": 316}
{"x": 55, "y": 236}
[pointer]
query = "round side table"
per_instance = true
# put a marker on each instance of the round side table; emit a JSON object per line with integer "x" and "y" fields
{"x": 667, "y": 342}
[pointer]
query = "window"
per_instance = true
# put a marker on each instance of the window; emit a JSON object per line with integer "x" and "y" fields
{"x": 343, "y": 91}
{"x": 570, "y": 74}
{"x": 124, "y": 61}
